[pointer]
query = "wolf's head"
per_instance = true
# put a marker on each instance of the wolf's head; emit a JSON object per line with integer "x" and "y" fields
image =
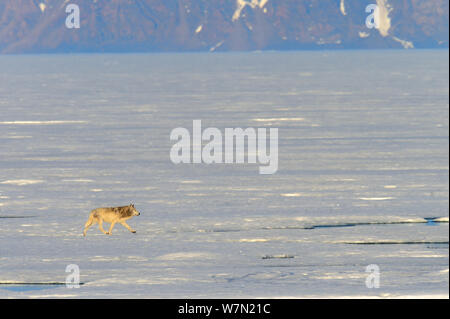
{"x": 133, "y": 210}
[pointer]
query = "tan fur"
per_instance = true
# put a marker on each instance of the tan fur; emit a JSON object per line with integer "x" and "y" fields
{"x": 111, "y": 215}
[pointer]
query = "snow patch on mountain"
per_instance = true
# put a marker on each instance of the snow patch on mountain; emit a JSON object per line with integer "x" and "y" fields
{"x": 404, "y": 43}
{"x": 242, "y": 3}
{"x": 384, "y": 22}
{"x": 342, "y": 8}
{"x": 42, "y": 6}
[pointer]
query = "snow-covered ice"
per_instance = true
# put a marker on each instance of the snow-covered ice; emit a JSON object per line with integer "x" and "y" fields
{"x": 362, "y": 177}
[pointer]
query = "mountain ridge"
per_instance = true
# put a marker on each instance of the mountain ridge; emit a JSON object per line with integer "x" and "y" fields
{"x": 38, "y": 26}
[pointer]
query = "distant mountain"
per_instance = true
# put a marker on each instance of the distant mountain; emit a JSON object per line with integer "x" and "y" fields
{"x": 32, "y": 26}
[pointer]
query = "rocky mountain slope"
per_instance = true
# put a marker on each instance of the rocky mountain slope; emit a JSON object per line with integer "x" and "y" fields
{"x": 30, "y": 26}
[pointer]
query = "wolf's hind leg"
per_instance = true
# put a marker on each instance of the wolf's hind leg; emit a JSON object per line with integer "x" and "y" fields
{"x": 100, "y": 225}
{"x": 128, "y": 227}
{"x": 88, "y": 224}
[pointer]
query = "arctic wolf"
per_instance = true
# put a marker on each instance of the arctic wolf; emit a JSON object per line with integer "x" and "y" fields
{"x": 111, "y": 215}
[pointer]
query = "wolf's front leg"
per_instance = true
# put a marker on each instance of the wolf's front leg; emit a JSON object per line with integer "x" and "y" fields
{"x": 128, "y": 227}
